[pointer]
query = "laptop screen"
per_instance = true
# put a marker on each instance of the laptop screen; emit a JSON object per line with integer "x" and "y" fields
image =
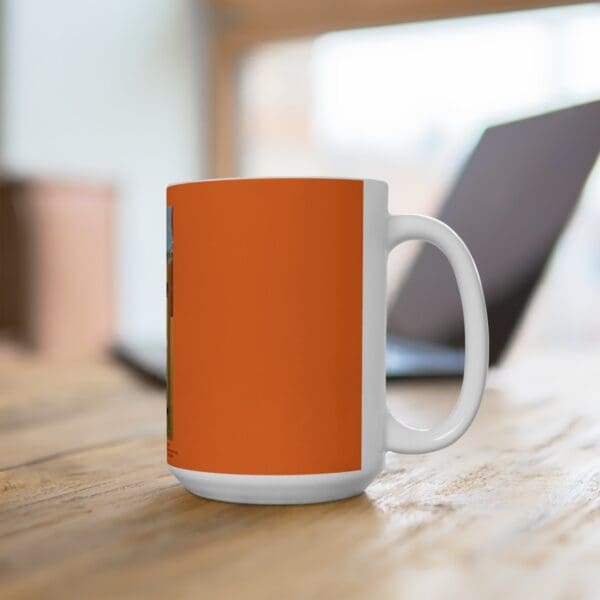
{"x": 509, "y": 204}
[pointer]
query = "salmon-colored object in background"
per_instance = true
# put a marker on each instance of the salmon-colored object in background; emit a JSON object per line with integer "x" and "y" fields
{"x": 266, "y": 348}
{"x": 56, "y": 263}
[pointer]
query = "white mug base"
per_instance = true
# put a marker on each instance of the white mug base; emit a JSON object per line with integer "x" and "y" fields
{"x": 275, "y": 489}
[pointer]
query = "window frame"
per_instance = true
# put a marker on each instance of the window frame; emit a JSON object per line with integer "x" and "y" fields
{"x": 239, "y": 25}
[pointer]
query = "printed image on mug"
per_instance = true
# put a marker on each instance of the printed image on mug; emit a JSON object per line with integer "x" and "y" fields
{"x": 169, "y": 322}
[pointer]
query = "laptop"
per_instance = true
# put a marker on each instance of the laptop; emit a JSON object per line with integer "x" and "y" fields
{"x": 510, "y": 204}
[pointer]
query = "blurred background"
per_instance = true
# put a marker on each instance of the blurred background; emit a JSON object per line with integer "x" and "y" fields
{"x": 103, "y": 103}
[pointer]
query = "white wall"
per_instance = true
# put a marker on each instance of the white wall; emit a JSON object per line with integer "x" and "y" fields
{"x": 110, "y": 90}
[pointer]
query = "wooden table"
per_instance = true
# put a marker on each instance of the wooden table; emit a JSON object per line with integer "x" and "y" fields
{"x": 88, "y": 509}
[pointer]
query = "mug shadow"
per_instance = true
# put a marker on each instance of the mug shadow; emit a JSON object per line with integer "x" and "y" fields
{"x": 173, "y": 515}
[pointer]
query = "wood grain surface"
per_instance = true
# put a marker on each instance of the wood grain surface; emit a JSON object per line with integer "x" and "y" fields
{"x": 88, "y": 509}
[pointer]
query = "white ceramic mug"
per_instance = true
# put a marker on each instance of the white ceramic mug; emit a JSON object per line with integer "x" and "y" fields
{"x": 277, "y": 325}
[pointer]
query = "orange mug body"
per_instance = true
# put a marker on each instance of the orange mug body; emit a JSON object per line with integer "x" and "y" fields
{"x": 265, "y": 326}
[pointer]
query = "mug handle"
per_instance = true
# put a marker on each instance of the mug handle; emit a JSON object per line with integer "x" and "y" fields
{"x": 400, "y": 437}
